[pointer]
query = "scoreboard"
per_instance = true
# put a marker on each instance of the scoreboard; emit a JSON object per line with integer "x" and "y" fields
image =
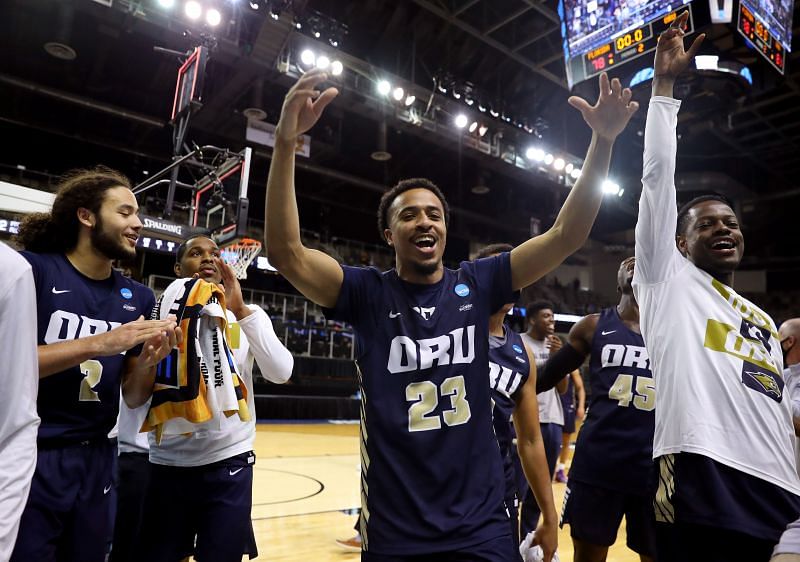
{"x": 623, "y": 48}
{"x": 764, "y": 41}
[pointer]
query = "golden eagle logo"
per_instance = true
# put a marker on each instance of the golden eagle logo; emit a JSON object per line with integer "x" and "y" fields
{"x": 766, "y": 382}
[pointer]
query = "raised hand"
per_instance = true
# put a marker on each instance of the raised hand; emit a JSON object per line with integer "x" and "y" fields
{"x": 303, "y": 106}
{"x": 614, "y": 108}
{"x": 671, "y": 58}
{"x": 233, "y": 290}
{"x": 158, "y": 347}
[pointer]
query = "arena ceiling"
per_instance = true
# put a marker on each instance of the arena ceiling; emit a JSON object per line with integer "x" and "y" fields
{"x": 111, "y": 104}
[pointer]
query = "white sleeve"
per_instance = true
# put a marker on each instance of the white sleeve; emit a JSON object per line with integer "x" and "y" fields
{"x": 657, "y": 257}
{"x": 19, "y": 384}
{"x": 274, "y": 360}
{"x": 790, "y": 540}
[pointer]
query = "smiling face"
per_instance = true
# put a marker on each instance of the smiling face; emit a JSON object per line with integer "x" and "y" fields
{"x": 711, "y": 238}
{"x": 200, "y": 257}
{"x": 418, "y": 233}
{"x": 116, "y": 225}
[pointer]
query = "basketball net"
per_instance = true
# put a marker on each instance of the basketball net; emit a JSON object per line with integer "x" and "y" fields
{"x": 240, "y": 255}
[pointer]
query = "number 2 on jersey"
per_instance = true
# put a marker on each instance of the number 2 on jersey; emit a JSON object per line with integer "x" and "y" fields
{"x": 622, "y": 392}
{"x": 425, "y": 397}
{"x": 92, "y": 371}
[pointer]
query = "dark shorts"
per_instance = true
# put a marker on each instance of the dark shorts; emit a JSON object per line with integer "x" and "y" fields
{"x": 569, "y": 419}
{"x": 70, "y": 509}
{"x": 742, "y": 516}
{"x": 594, "y": 515}
{"x": 133, "y": 480}
{"x": 202, "y": 510}
{"x": 501, "y": 549}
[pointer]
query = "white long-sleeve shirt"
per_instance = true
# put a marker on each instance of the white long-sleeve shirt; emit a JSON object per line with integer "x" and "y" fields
{"x": 256, "y": 341}
{"x": 715, "y": 356}
{"x": 19, "y": 384}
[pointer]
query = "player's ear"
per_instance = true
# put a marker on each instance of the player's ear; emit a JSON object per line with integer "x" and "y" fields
{"x": 387, "y": 235}
{"x": 177, "y": 269}
{"x": 683, "y": 245}
{"x": 86, "y": 217}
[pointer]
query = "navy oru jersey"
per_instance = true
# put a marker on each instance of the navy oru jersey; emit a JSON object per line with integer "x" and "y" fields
{"x": 430, "y": 463}
{"x": 81, "y": 403}
{"x": 509, "y": 370}
{"x": 615, "y": 445}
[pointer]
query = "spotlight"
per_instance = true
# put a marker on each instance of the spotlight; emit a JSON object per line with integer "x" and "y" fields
{"x": 621, "y": 191}
{"x": 569, "y": 167}
{"x": 323, "y": 62}
{"x": 317, "y": 34}
{"x": 213, "y": 17}
{"x": 575, "y": 173}
{"x": 610, "y": 187}
{"x": 167, "y": 4}
{"x": 398, "y": 94}
{"x": 535, "y": 154}
{"x": 274, "y": 16}
{"x": 193, "y": 9}
{"x": 298, "y": 25}
{"x": 482, "y": 108}
{"x": 334, "y": 43}
{"x": 384, "y": 88}
{"x": 336, "y": 68}
{"x": 469, "y": 101}
{"x": 441, "y": 88}
{"x": 494, "y": 113}
{"x": 410, "y": 99}
{"x": 457, "y": 95}
{"x": 308, "y": 58}
{"x": 254, "y": 5}
{"x": 473, "y": 126}
{"x": 559, "y": 164}
{"x": 461, "y": 121}
{"x": 482, "y": 130}
{"x": 548, "y": 158}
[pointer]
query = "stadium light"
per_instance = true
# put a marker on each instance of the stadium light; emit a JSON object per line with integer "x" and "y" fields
{"x": 568, "y": 168}
{"x": 308, "y": 58}
{"x": 336, "y": 68}
{"x": 398, "y": 94}
{"x": 193, "y": 9}
{"x": 610, "y": 187}
{"x": 213, "y": 17}
{"x": 473, "y": 126}
{"x": 461, "y": 121}
{"x": 384, "y": 88}
{"x": 559, "y": 164}
{"x": 575, "y": 173}
{"x": 166, "y": 4}
{"x": 482, "y": 130}
{"x": 548, "y": 158}
{"x": 410, "y": 99}
{"x": 535, "y": 154}
{"x": 323, "y": 62}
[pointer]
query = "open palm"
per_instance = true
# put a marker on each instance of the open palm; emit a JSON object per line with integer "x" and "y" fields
{"x": 614, "y": 108}
{"x": 303, "y": 105}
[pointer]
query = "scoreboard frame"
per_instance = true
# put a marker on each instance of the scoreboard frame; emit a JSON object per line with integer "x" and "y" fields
{"x": 750, "y": 26}
{"x": 625, "y": 47}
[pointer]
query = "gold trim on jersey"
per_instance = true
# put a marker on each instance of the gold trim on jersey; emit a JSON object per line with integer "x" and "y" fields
{"x": 665, "y": 511}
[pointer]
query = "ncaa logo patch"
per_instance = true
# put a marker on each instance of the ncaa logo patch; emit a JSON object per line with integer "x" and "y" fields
{"x": 516, "y": 348}
{"x": 126, "y": 293}
{"x": 461, "y": 290}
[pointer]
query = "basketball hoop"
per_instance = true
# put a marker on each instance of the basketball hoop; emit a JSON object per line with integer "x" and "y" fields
{"x": 240, "y": 255}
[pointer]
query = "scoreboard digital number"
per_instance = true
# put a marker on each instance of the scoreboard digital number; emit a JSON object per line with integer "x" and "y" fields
{"x": 761, "y": 37}
{"x": 623, "y": 48}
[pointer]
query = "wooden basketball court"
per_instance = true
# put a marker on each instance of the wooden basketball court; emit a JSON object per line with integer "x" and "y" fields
{"x": 306, "y": 480}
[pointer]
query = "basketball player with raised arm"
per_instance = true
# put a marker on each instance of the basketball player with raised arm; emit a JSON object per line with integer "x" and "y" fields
{"x": 90, "y": 331}
{"x": 429, "y": 458}
{"x": 612, "y": 473}
{"x": 512, "y": 378}
{"x": 724, "y": 439}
